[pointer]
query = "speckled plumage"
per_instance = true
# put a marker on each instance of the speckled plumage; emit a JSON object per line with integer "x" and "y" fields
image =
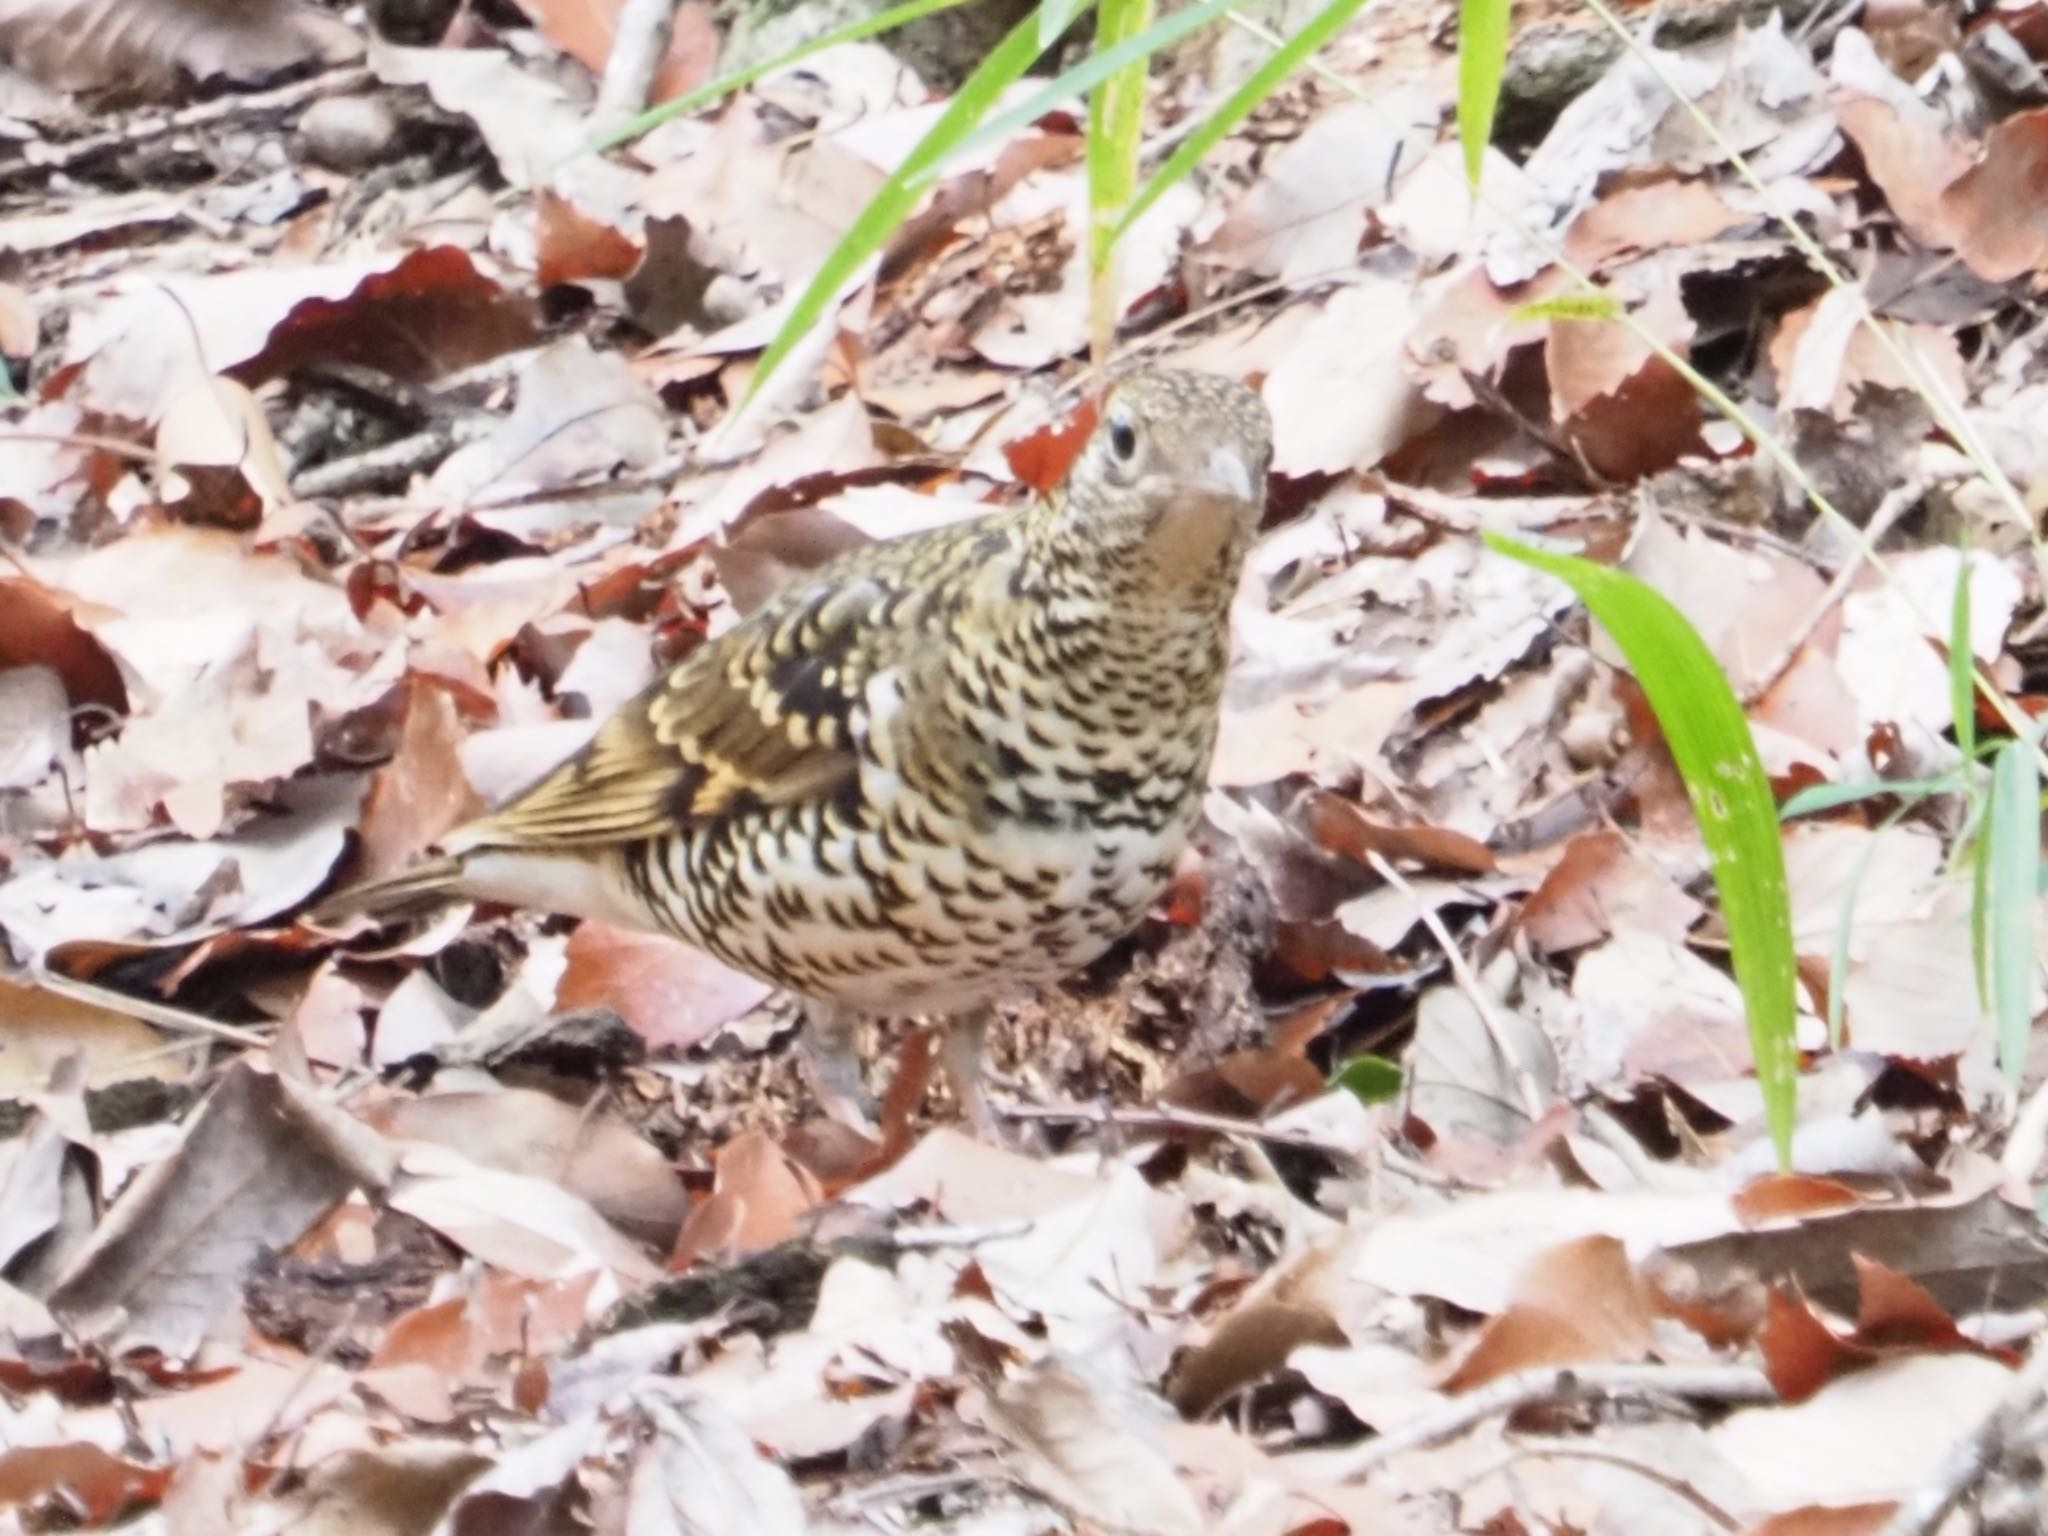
{"x": 937, "y": 771}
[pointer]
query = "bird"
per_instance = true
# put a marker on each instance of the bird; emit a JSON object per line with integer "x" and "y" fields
{"x": 935, "y": 773}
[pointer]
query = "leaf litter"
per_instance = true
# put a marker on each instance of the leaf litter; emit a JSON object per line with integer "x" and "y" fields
{"x": 336, "y": 508}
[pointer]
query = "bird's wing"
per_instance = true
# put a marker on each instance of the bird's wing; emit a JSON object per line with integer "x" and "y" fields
{"x": 767, "y": 714}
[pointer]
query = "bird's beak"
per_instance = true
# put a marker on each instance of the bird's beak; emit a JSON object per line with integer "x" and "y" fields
{"x": 1228, "y": 474}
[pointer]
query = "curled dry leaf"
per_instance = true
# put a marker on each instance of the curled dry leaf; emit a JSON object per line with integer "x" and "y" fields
{"x": 263, "y": 1160}
{"x": 422, "y": 792}
{"x": 147, "y": 46}
{"x": 671, "y": 994}
{"x": 759, "y": 1196}
{"x": 589, "y": 1151}
{"x": 697, "y": 1473}
{"x": 1580, "y": 1303}
{"x": 1088, "y": 1449}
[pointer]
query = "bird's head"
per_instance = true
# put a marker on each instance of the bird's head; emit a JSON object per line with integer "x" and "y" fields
{"x": 1172, "y": 483}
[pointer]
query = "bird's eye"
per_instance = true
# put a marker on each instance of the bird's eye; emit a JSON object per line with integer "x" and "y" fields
{"x": 1123, "y": 439}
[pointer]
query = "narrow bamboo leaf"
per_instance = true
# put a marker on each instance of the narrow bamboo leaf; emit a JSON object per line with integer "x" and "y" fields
{"x": 1845, "y": 929}
{"x": 1712, "y": 746}
{"x": 899, "y": 194}
{"x": 1980, "y": 916}
{"x": 1116, "y": 128}
{"x": 1826, "y": 797}
{"x": 1097, "y": 67}
{"x": 1374, "y": 1079}
{"x": 1240, "y": 104}
{"x": 1570, "y": 306}
{"x": 2014, "y": 833}
{"x": 1482, "y": 60}
{"x": 725, "y": 85}
{"x": 1962, "y": 673}
{"x": 1054, "y": 17}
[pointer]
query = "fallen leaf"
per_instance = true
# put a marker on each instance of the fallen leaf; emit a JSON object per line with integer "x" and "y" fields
{"x": 263, "y": 1159}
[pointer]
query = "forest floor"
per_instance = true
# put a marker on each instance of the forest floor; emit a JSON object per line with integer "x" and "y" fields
{"x": 371, "y": 446}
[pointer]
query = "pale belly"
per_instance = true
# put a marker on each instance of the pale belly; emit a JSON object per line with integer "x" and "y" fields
{"x": 947, "y": 928}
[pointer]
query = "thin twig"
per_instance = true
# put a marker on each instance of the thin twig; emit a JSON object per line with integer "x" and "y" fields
{"x": 1166, "y": 1118}
{"x": 1570, "y": 1384}
{"x": 41, "y": 159}
{"x": 639, "y": 44}
{"x": 1888, "y": 512}
{"x": 1473, "y": 988}
{"x": 161, "y": 1015}
{"x": 1558, "y": 1450}
{"x": 1973, "y": 1458}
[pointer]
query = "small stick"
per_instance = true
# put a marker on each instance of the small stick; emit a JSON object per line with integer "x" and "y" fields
{"x": 639, "y": 44}
{"x": 1548, "y": 1384}
{"x": 1888, "y": 512}
{"x": 161, "y": 1015}
{"x": 1973, "y": 1458}
{"x": 1473, "y": 988}
{"x": 1167, "y": 1118}
{"x": 137, "y": 131}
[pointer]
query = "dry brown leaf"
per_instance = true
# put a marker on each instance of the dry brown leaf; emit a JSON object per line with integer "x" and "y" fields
{"x": 1580, "y": 1303}
{"x": 1991, "y": 213}
{"x": 1469, "y": 1251}
{"x": 216, "y": 457}
{"x": 697, "y": 1472}
{"x": 533, "y": 1228}
{"x": 582, "y": 415}
{"x": 263, "y": 1159}
{"x": 43, "y": 1028}
{"x": 589, "y": 1151}
{"x": 1959, "y": 1250}
{"x": 1089, "y": 1451}
{"x": 759, "y": 1196}
{"x": 1669, "y": 213}
{"x": 1340, "y": 396}
{"x": 422, "y": 792}
{"x": 671, "y": 994}
{"x": 396, "y": 1490}
{"x": 1827, "y": 359}
{"x": 1602, "y": 885}
{"x": 148, "y": 46}
{"x": 1912, "y": 157}
{"x": 1626, "y": 409}
{"x": 1878, "y": 1434}
{"x": 1285, "y": 1310}
{"x": 1305, "y": 217}
{"x": 102, "y": 1485}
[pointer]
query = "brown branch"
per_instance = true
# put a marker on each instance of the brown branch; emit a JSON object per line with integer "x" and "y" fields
{"x": 38, "y": 159}
{"x": 1526, "y": 1389}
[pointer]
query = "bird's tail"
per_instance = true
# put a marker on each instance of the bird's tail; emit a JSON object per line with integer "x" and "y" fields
{"x": 421, "y": 888}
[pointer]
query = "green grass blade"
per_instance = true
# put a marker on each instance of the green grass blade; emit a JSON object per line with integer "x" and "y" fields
{"x": 1980, "y": 917}
{"x": 2014, "y": 833}
{"x": 887, "y": 21}
{"x": 1570, "y": 306}
{"x": 1712, "y": 746}
{"x": 1116, "y": 130}
{"x": 1962, "y": 681}
{"x": 1826, "y": 797}
{"x": 900, "y": 193}
{"x": 1482, "y": 60}
{"x": 1278, "y": 68}
{"x": 1054, "y": 17}
{"x": 1097, "y": 67}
